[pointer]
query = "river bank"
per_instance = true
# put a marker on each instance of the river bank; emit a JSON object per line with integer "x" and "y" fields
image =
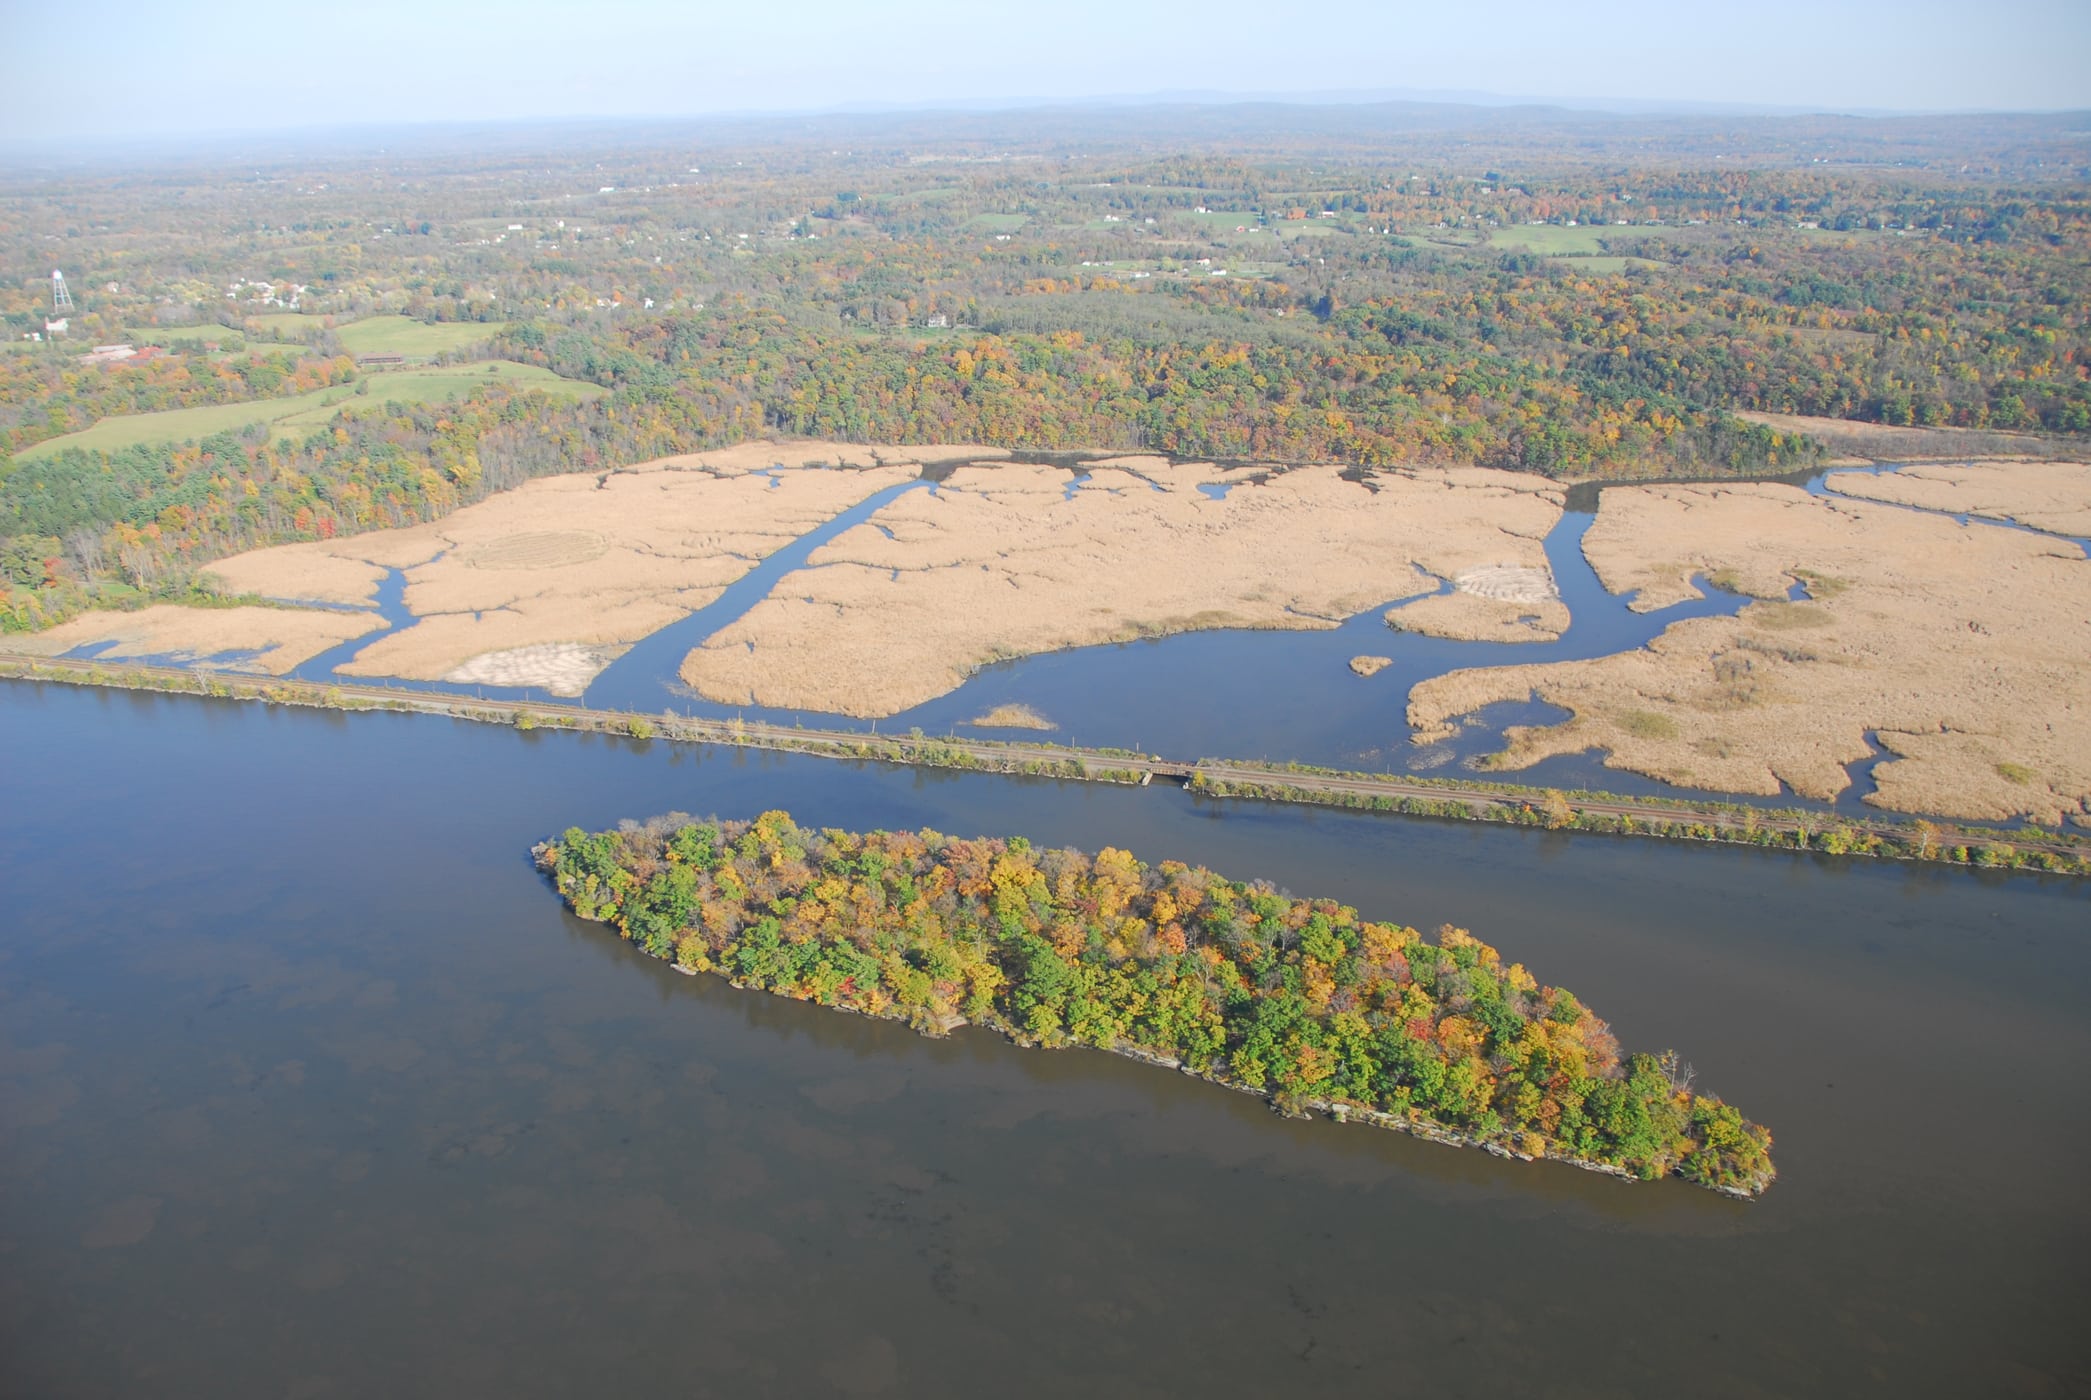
{"x": 1553, "y": 808}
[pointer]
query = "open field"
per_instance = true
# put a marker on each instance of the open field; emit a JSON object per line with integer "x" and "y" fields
{"x": 1582, "y": 247}
{"x": 1308, "y": 228}
{"x": 292, "y": 325}
{"x": 1965, "y": 649}
{"x": 190, "y": 424}
{"x": 1552, "y": 240}
{"x": 401, "y": 335}
{"x": 225, "y": 337}
{"x": 294, "y": 415}
{"x": 1011, "y": 560}
{"x": 433, "y": 385}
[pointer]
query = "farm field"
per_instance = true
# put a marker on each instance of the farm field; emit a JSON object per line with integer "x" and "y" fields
{"x": 292, "y": 416}
{"x": 171, "y": 336}
{"x": 402, "y": 335}
{"x": 1554, "y": 240}
{"x": 294, "y": 324}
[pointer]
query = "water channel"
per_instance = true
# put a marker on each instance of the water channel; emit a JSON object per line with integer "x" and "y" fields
{"x": 1288, "y": 695}
{"x": 308, "y": 1086}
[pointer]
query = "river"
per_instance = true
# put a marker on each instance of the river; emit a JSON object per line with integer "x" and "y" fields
{"x": 309, "y": 1086}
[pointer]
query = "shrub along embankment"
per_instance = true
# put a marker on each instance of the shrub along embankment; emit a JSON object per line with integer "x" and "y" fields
{"x": 1296, "y": 999}
{"x": 2029, "y": 848}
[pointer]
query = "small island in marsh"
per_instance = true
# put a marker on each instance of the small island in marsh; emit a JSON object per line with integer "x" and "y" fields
{"x": 1297, "y": 999}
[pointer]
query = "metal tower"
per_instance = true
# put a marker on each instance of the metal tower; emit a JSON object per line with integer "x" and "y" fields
{"x": 61, "y": 299}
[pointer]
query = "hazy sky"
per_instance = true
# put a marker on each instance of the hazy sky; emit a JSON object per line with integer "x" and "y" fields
{"x": 170, "y": 66}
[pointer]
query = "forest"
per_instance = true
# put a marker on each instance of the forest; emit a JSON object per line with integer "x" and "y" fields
{"x": 1300, "y": 1000}
{"x": 1576, "y": 300}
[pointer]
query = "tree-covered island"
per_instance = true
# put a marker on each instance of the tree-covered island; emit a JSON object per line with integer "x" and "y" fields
{"x": 1297, "y": 999}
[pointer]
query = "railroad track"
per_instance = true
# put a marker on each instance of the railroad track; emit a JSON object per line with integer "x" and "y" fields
{"x": 1050, "y": 759}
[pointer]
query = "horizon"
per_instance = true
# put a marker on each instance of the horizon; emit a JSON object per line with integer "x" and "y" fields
{"x": 163, "y": 78}
{"x": 1461, "y": 111}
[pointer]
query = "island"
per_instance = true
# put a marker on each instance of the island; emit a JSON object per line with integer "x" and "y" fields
{"x": 1299, "y": 1000}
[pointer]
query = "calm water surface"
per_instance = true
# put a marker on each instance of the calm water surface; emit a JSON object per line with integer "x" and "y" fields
{"x": 308, "y": 1087}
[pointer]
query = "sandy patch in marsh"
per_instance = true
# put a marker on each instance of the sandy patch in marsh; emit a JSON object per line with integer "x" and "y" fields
{"x": 583, "y": 561}
{"x": 1492, "y": 603}
{"x": 1012, "y": 717}
{"x": 1006, "y": 561}
{"x": 1370, "y": 665}
{"x": 1509, "y": 583}
{"x": 2051, "y": 496}
{"x": 563, "y": 668}
{"x": 1967, "y": 648}
{"x": 284, "y": 637}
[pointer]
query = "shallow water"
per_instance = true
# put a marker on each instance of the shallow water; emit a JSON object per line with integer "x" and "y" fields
{"x": 641, "y": 679}
{"x": 1235, "y": 693}
{"x": 308, "y": 1086}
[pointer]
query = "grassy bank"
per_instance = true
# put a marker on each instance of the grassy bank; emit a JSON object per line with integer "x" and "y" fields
{"x": 2029, "y": 849}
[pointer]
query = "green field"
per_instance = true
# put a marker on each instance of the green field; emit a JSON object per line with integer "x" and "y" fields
{"x": 1552, "y": 240}
{"x": 402, "y": 335}
{"x": 169, "y": 335}
{"x": 374, "y": 335}
{"x": 295, "y": 416}
{"x": 1307, "y": 228}
{"x": 230, "y": 342}
{"x": 294, "y": 324}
